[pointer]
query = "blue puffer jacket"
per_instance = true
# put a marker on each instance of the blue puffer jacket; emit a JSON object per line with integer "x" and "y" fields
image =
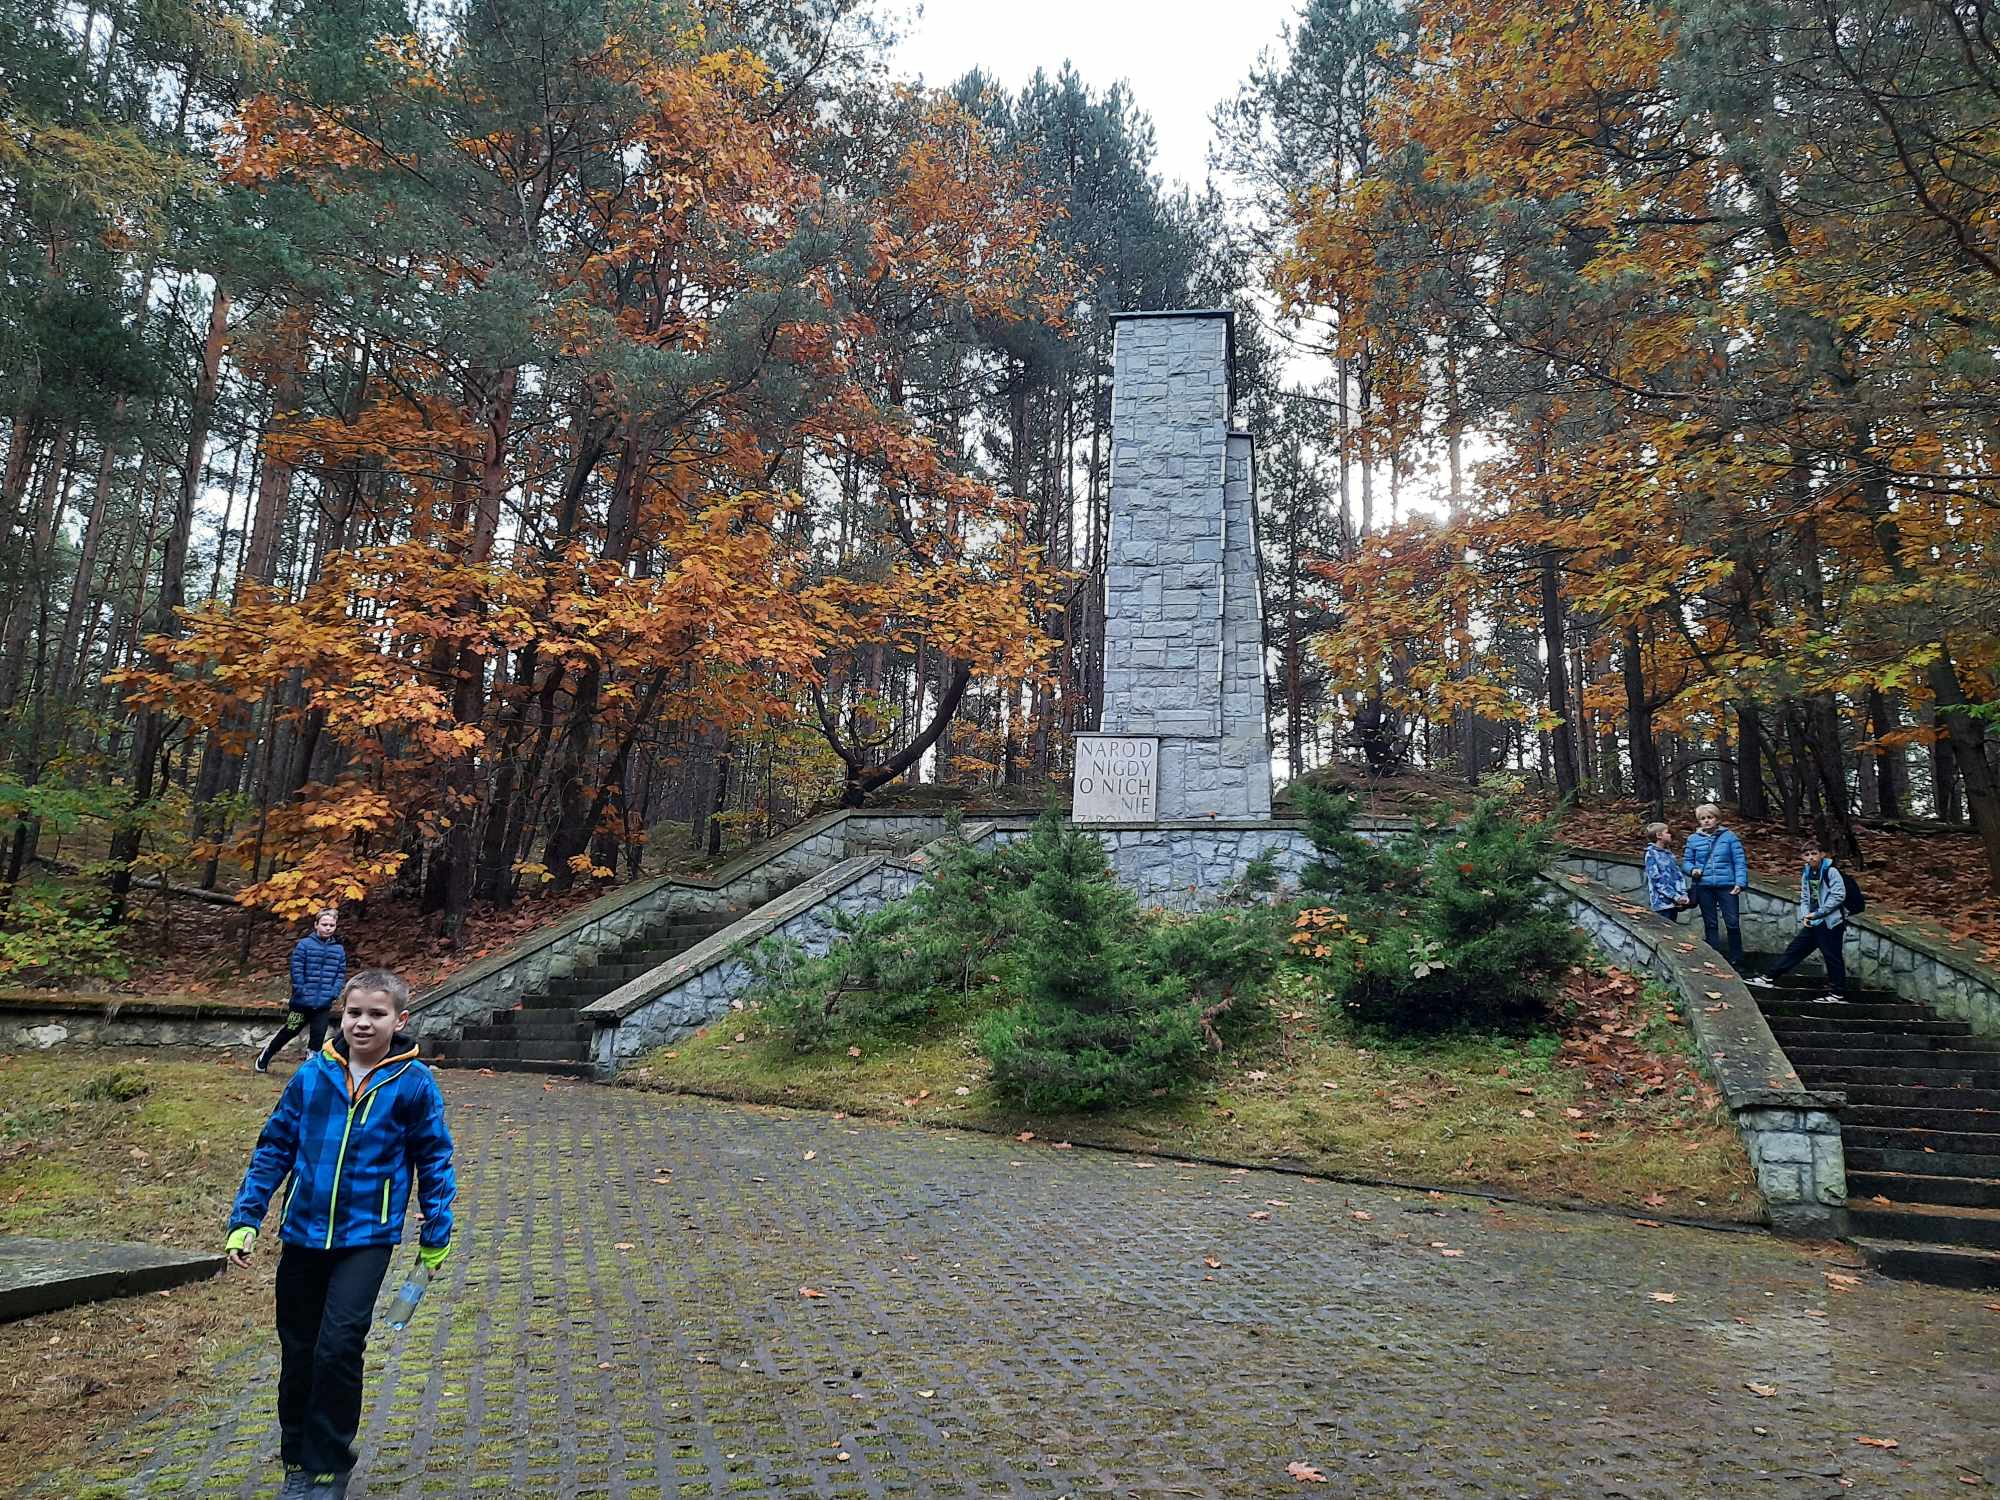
{"x": 319, "y": 968}
{"x": 1719, "y": 857}
{"x": 352, "y": 1160}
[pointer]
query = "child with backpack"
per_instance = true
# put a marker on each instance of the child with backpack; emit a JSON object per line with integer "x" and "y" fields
{"x": 1715, "y": 862}
{"x": 1666, "y": 887}
{"x": 1825, "y": 899}
{"x": 359, "y": 1126}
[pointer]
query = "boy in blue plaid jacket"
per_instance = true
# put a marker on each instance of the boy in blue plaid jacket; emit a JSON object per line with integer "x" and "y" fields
{"x": 358, "y": 1125}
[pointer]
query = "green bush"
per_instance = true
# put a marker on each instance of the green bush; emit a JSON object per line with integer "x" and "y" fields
{"x": 60, "y": 933}
{"x": 1227, "y": 959}
{"x": 1459, "y": 932}
{"x": 1096, "y": 1027}
{"x": 893, "y": 968}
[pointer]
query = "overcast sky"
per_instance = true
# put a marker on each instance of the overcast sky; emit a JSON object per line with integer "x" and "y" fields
{"x": 1180, "y": 60}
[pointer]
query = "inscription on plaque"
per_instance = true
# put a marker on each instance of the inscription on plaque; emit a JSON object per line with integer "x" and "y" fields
{"x": 1117, "y": 779}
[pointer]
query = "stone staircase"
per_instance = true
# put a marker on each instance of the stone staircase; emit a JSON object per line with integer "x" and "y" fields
{"x": 546, "y": 1032}
{"x": 1921, "y": 1132}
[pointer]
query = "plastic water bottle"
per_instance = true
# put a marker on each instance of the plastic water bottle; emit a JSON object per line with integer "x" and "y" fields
{"x": 405, "y": 1306}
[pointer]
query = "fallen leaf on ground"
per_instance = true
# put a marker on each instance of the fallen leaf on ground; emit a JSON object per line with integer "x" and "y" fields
{"x": 806, "y": 1291}
{"x": 1212, "y": 1263}
{"x": 1304, "y": 1473}
{"x": 1755, "y": 1389}
{"x": 1026, "y": 1135}
{"x": 1655, "y": 1200}
{"x": 1259, "y": 1214}
{"x": 961, "y": 1091}
{"x": 811, "y": 1154}
{"x": 1649, "y": 1223}
{"x": 1362, "y": 1214}
{"x": 623, "y": 1245}
{"x": 1874, "y": 1442}
{"x": 1664, "y": 1296}
{"x": 1451, "y": 1254}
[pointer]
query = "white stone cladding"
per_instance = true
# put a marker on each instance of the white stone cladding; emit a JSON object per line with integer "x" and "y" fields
{"x": 1184, "y": 625}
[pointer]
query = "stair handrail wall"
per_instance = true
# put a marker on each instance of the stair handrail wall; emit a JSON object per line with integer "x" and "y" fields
{"x": 498, "y": 982}
{"x": 1791, "y": 1133}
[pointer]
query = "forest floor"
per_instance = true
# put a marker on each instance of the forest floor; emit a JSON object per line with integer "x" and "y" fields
{"x": 1606, "y": 1107}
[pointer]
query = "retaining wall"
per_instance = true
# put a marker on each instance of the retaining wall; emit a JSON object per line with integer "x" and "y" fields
{"x": 39, "y": 1020}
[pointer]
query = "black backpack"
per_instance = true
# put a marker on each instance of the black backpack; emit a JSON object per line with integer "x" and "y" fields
{"x": 1857, "y": 899}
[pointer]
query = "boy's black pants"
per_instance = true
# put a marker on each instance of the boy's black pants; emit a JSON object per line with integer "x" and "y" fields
{"x": 1829, "y": 942}
{"x": 312, "y": 1022}
{"x": 326, "y": 1301}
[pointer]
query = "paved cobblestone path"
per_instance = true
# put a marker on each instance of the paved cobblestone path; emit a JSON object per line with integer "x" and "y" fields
{"x": 988, "y": 1318}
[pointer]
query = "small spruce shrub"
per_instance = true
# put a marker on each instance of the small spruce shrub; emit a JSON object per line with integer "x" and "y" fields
{"x": 1453, "y": 929}
{"x": 1096, "y": 1027}
{"x": 894, "y": 968}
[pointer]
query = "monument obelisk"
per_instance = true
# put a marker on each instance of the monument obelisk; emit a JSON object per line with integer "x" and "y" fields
{"x": 1184, "y": 628}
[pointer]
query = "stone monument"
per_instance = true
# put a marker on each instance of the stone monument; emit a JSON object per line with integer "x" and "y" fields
{"x": 1184, "y": 626}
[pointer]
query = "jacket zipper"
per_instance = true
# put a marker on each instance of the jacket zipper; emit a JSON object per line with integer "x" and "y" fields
{"x": 340, "y": 1161}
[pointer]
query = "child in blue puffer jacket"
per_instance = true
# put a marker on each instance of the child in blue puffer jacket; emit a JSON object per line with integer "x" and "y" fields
{"x": 319, "y": 968}
{"x": 360, "y": 1124}
{"x": 1715, "y": 862}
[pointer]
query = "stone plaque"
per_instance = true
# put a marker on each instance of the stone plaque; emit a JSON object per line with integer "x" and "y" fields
{"x": 1117, "y": 779}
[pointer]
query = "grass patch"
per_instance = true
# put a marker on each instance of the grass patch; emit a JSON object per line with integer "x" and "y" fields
{"x": 105, "y": 1145}
{"x": 1603, "y": 1108}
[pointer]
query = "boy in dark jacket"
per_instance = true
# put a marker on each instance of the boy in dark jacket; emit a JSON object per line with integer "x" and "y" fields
{"x": 319, "y": 967}
{"x": 1715, "y": 862}
{"x": 358, "y": 1121}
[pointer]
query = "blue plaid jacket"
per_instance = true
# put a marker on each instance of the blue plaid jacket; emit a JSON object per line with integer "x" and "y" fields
{"x": 352, "y": 1161}
{"x": 318, "y": 970}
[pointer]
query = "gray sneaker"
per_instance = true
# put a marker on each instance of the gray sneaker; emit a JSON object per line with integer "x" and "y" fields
{"x": 327, "y": 1487}
{"x": 296, "y": 1484}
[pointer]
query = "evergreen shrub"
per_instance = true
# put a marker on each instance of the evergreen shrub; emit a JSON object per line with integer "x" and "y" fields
{"x": 895, "y": 968}
{"x": 1097, "y": 1026}
{"x": 1446, "y": 928}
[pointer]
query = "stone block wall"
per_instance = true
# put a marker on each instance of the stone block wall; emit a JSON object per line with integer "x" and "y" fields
{"x": 38, "y": 1020}
{"x": 1184, "y": 627}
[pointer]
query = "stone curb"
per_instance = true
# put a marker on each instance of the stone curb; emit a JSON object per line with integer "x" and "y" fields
{"x": 111, "y": 1005}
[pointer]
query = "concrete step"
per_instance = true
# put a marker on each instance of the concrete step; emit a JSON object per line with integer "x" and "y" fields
{"x": 504, "y": 1028}
{"x": 1909, "y": 1054}
{"x": 1926, "y": 1223}
{"x": 1913, "y": 1097}
{"x": 1912, "y": 1187}
{"x": 1939, "y": 1265}
{"x": 1919, "y": 1162}
{"x": 1916, "y": 1138}
{"x": 1913, "y": 1117}
{"x": 563, "y": 1067}
{"x": 1944, "y": 1075}
{"x": 1855, "y": 1010}
{"x": 1834, "y": 1020}
{"x": 489, "y": 1051}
